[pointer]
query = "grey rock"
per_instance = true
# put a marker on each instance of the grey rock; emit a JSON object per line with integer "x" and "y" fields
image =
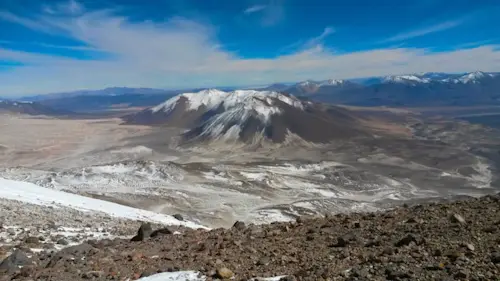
{"x": 14, "y": 261}
{"x": 456, "y": 218}
{"x": 32, "y": 240}
{"x": 406, "y": 240}
{"x": 161, "y": 231}
{"x": 178, "y": 217}
{"x": 63, "y": 242}
{"x": 239, "y": 225}
{"x": 144, "y": 232}
{"x": 495, "y": 257}
{"x": 92, "y": 274}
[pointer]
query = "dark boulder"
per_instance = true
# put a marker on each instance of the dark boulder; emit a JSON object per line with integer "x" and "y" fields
{"x": 13, "y": 262}
{"x": 144, "y": 232}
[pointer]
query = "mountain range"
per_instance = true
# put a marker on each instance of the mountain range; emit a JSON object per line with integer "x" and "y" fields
{"x": 430, "y": 89}
{"x": 424, "y": 89}
{"x": 30, "y": 108}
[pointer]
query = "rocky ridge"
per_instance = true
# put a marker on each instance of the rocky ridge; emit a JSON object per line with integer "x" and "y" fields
{"x": 448, "y": 241}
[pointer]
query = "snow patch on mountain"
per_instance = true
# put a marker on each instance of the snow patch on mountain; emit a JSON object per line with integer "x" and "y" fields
{"x": 34, "y": 194}
{"x": 405, "y": 79}
{"x": 473, "y": 77}
{"x": 333, "y": 82}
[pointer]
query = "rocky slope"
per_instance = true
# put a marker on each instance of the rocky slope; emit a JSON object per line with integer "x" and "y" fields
{"x": 448, "y": 241}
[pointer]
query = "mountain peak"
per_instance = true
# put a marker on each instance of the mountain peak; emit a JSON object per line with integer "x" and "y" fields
{"x": 249, "y": 116}
{"x": 473, "y": 77}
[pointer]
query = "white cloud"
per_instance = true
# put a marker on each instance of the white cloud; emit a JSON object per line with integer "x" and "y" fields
{"x": 254, "y": 9}
{"x": 424, "y": 31}
{"x": 181, "y": 53}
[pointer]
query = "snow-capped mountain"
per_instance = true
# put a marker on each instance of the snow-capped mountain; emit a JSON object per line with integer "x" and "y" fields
{"x": 474, "y": 77}
{"x": 247, "y": 115}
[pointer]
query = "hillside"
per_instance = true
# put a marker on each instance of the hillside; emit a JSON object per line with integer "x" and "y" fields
{"x": 435, "y": 241}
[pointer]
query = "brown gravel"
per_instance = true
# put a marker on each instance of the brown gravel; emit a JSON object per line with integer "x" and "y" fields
{"x": 449, "y": 241}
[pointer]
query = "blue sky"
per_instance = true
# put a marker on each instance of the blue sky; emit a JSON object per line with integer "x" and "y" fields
{"x": 53, "y": 46}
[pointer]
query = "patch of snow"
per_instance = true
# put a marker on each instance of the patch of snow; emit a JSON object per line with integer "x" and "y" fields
{"x": 307, "y": 83}
{"x": 140, "y": 149}
{"x": 332, "y": 82}
{"x": 405, "y": 79}
{"x": 31, "y": 193}
{"x": 175, "y": 276}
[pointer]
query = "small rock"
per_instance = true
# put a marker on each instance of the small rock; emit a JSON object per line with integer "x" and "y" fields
{"x": 239, "y": 225}
{"x": 462, "y": 274}
{"x": 470, "y": 247}
{"x": 224, "y": 273}
{"x": 406, "y": 240}
{"x": 14, "y": 261}
{"x": 92, "y": 274}
{"x": 32, "y": 240}
{"x": 495, "y": 257}
{"x": 143, "y": 233}
{"x": 341, "y": 242}
{"x": 161, "y": 231}
{"x": 456, "y": 218}
{"x": 263, "y": 261}
{"x": 178, "y": 217}
{"x": 63, "y": 242}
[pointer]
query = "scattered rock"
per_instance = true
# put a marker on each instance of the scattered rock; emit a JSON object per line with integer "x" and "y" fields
{"x": 224, "y": 273}
{"x": 495, "y": 257}
{"x": 14, "y": 261}
{"x": 263, "y": 261}
{"x": 456, "y": 218}
{"x": 143, "y": 233}
{"x": 92, "y": 274}
{"x": 406, "y": 240}
{"x": 63, "y": 242}
{"x": 32, "y": 240}
{"x": 178, "y": 217}
{"x": 239, "y": 225}
{"x": 161, "y": 231}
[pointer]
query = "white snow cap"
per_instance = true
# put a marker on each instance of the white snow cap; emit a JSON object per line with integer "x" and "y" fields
{"x": 473, "y": 77}
{"x": 405, "y": 79}
{"x": 307, "y": 83}
{"x": 332, "y": 82}
{"x": 244, "y": 101}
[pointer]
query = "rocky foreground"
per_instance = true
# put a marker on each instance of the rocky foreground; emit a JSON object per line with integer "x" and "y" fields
{"x": 448, "y": 241}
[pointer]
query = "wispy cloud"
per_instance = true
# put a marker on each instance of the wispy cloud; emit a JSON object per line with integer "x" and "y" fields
{"x": 319, "y": 39}
{"x": 310, "y": 43}
{"x": 254, "y": 9}
{"x": 424, "y": 31}
{"x": 181, "y": 53}
{"x": 269, "y": 14}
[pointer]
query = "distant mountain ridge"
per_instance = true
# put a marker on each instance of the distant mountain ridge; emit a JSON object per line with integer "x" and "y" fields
{"x": 418, "y": 89}
{"x": 30, "y": 108}
{"x": 422, "y": 89}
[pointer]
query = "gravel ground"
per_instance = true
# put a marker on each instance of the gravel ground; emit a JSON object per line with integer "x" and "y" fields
{"x": 447, "y": 241}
